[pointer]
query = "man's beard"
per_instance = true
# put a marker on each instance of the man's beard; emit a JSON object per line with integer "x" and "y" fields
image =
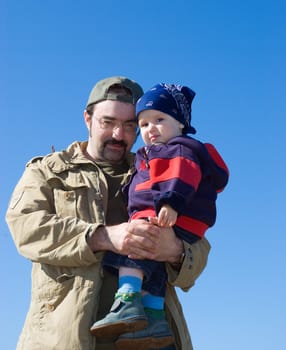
{"x": 114, "y": 155}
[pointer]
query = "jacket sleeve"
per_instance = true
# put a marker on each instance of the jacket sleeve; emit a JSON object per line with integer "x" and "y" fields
{"x": 39, "y": 233}
{"x": 175, "y": 175}
{"x": 196, "y": 257}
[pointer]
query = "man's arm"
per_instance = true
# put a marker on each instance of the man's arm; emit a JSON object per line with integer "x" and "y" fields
{"x": 193, "y": 263}
{"x": 143, "y": 240}
{"x": 138, "y": 238}
{"x": 185, "y": 262}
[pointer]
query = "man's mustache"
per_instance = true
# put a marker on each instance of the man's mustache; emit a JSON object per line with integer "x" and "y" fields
{"x": 115, "y": 142}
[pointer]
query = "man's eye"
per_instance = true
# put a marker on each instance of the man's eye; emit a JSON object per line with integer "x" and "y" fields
{"x": 108, "y": 122}
{"x": 130, "y": 126}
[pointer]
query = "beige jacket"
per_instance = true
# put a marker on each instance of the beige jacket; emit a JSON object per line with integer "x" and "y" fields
{"x": 57, "y": 202}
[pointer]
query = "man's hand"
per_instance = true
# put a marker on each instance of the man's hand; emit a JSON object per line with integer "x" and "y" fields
{"x": 138, "y": 239}
{"x": 166, "y": 247}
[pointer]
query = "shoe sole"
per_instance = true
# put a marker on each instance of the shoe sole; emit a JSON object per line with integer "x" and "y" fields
{"x": 143, "y": 343}
{"x": 115, "y": 329}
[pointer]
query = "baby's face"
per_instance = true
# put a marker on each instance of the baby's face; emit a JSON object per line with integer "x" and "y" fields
{"x": 158, "y": 127}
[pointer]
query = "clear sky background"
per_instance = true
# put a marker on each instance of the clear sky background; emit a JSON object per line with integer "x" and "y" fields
{"x": 233, "y": 54}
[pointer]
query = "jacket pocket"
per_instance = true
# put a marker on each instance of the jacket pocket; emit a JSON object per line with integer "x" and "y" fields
{"x": 73, "y": 202}
{"x": 65, "y": 202}
{"x": 53, "y": 286}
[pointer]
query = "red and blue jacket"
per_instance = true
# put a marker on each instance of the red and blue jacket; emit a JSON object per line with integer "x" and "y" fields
{"x": 184, "y": 173}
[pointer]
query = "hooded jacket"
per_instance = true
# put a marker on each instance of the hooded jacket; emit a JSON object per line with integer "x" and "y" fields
{"x": 184, "y": 173}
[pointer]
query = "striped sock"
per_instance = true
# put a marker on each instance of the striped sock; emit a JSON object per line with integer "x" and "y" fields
{"x": 153, "y": 305}
{"x": 129, "y": 285}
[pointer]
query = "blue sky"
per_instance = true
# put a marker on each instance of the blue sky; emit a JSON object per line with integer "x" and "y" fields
{"x": 232, "y": 53}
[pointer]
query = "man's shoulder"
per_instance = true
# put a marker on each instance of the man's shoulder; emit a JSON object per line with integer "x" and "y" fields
{"x": 58, "y": 161}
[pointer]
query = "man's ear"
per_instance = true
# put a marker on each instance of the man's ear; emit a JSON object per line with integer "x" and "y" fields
{"x": 87, "y": 119}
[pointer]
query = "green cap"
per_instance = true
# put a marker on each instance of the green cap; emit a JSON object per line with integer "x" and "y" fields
{"x": 100, "y": 91}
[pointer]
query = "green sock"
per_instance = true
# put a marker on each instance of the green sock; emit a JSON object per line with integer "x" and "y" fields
{"x": 154, "y": 306}
{"x": 158, "y": 314}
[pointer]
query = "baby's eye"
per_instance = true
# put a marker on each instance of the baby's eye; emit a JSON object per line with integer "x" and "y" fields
{"x": 143, "y": 125}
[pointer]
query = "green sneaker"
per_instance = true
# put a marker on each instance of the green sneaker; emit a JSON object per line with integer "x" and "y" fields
{"x": 126, "y": 315}
{"x": 156, "y": 336}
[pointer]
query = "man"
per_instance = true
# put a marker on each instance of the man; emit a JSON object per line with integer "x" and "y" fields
{"x": 68, "y": 209}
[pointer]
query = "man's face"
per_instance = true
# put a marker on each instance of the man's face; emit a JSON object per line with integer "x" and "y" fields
{"x": 111, "y": 134}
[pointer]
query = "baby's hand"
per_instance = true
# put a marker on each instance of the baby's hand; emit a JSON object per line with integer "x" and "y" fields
{"x": 167, "y": 216}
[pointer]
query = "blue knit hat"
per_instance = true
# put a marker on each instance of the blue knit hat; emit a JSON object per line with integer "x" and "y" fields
{"x": 175, "y": 100}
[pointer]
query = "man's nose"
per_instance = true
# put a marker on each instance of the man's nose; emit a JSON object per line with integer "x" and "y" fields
{"x": 118, "y": 132}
